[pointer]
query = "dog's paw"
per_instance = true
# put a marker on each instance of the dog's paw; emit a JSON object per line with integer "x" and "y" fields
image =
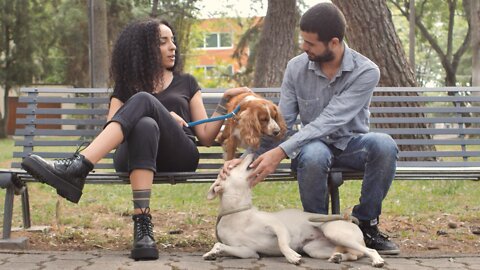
{"x": 378, "y": 263}
{"x": 214, "y": 253}
{"x": 209, "y": 256}
{"x": 335, "y": 258}
{"x": 293, "y": 257}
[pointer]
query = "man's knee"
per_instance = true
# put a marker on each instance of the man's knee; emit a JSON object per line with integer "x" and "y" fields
{"x": 382, "y": 144}
{"x": 315, "y": 154}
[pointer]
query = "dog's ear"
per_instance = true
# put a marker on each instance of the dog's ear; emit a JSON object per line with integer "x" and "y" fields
{"x": 215, "y": 189}
{"x": 281, "y": 122}
{"x": 251, "y": 129}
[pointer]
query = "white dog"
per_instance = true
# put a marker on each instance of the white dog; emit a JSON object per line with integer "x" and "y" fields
{"x": 245, "y": 232}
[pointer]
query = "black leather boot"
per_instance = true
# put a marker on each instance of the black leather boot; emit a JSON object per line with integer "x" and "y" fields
{"x": 377, "y": 240}
{"x": 144, "y": 246}
{"x": 67, "y": 175}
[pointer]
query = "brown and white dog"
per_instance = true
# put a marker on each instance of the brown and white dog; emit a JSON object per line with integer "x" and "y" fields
{"x": 245, "y": 232}
{"x": 257, "y": 117}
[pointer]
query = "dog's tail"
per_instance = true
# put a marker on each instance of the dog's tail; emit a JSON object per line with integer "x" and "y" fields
{"x": 325, "y": 218}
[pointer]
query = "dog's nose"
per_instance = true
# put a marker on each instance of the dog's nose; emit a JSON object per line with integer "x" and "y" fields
{"x": 276, "y": 132}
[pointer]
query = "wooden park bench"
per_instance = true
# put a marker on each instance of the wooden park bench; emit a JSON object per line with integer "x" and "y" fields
{"x": 437, "y": 130}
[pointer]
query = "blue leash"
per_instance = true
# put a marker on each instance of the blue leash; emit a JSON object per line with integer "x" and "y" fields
{"x": 217, "y": 118}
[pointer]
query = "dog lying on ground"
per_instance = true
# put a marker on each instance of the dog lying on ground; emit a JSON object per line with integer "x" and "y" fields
{"x": 257, "y": 117}
{"x": 245, "y": 232}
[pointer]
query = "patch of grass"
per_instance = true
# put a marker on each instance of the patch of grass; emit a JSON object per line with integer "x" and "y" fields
{"x": 184, "y": 207}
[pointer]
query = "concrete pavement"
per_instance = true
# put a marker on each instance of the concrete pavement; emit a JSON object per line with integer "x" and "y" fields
{"x": 106, "y": 260}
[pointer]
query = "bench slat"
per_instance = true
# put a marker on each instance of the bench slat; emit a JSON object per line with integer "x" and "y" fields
{"x": 91, "y": 100}
{"x": 65, "y": 90}
{"x": 57, "y": 121}
{"x": 425, "y": 99}
{"x": 428, "y": 131}
{"x": 40, "y": 111}
{"x": 410, "y": 110}
{"x": 439, "y": 154}
{"x": 423, "y": 120}
{"x": 455, "y": 141}
{"x": 57, "y": 132}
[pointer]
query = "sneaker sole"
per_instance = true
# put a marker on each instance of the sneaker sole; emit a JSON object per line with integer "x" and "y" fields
{"x": 39, "y": 172}
{"x": 144, "y": 254}
{"x": 389, "y": 252}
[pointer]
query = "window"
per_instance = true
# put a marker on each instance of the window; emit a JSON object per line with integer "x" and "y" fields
{"x": 225, "y": 40}
{"x": 217, "y": 40}
{"x": 211, "y": 41}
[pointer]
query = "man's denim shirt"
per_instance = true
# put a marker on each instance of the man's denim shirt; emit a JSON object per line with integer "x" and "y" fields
{"x": 333, "y": 111}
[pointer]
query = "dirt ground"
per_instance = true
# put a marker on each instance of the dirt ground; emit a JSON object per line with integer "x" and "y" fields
{"x": 182, "y": 232}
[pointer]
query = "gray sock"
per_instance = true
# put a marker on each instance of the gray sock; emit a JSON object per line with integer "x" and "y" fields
{"x": 141, "y": 198}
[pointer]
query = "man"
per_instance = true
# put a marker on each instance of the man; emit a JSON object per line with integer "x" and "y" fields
{"x": 330, "y": 86}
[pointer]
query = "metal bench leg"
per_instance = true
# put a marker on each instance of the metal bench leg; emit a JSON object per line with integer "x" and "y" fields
{"x": 335, "y": 180}
{"x": 26, "y": 209}
{"x": 6, "y": 242}
{"x": 8, "y": 213}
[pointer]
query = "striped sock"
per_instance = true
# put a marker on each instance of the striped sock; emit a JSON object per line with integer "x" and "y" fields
{"x": 141, "y": 198}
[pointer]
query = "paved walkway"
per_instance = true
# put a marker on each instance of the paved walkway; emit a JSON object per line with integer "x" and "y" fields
{"x": 106, "y": 260}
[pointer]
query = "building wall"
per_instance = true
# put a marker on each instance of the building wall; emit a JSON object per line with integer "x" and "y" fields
{"x": 221, "y": 56}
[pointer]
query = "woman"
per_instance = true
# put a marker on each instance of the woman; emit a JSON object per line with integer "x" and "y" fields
{"x": 149, "y": 108}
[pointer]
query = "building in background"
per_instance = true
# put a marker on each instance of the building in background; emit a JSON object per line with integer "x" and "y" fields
{"x": 216, "y": 39}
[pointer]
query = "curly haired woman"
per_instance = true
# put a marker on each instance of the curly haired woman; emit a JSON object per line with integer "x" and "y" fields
{"x": 149, "y": 108}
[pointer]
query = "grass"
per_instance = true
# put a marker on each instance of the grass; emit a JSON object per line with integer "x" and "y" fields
{"x": 108, "y": 207}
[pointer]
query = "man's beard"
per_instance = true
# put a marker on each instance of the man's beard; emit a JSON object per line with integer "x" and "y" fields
{"x": 323, "y": 58}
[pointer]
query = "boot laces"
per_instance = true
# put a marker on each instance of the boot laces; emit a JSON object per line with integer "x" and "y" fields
{"x": 144, "y": 224}
{"x": 68, "y": 161}
{"x": 375, "y": 233}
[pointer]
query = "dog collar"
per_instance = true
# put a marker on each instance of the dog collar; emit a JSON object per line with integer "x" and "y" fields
{"x": 226, "y": 213}
{"x": 213, "y": 119}
{"x": 233, "y": 211}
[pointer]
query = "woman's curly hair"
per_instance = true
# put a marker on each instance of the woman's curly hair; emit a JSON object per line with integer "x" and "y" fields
{"x": 136, "y": 63}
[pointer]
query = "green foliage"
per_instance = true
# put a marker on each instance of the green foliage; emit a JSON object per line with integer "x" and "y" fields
{"x": 16, "y": 46}
{"x": 434, "y": 15}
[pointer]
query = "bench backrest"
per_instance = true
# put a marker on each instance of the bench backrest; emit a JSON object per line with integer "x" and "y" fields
{"x": 442, "y": 121}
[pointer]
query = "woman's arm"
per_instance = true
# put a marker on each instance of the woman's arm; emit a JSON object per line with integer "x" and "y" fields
{"x": 115, "y": 104}
{"x": 207, "y": 132}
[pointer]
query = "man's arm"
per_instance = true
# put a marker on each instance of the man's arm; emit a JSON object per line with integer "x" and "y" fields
{"x": 270, "y": 155}
{"x": 341, "y": 109}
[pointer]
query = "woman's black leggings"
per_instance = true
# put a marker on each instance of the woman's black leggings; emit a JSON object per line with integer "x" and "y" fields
{"x": 153, "y": 140}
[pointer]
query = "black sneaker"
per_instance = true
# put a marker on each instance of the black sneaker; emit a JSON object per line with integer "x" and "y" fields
{"x": 67, "y": 175}
{"x": 379, "y": 241}
{"x": 144, "y": 246}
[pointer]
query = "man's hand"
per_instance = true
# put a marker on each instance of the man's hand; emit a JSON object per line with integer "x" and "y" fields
{"x": 265, "y": 165}
{"x": 227, "y": 166}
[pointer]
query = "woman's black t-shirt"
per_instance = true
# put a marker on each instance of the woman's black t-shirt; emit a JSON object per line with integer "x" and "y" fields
{"x": 176, "y": 97}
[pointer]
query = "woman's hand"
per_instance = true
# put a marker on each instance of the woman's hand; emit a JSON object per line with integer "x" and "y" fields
{"x": 178, "y": 119}
{"x": 235, "y": 91}
{"x": 227, "y": 166}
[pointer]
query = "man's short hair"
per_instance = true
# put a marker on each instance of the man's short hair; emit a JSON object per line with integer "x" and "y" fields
{"x": 326, "y": 20}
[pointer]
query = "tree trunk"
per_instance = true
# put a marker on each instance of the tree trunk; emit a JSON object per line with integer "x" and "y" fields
{"x": 7, "y": 39}
{"x": 154, "y": 13}
{"x": 99, "y": 43}
{"x": 371, "y": 32}
{"x": 411, "y": 35}
{"x": 475, "y": 24}
{"x": 277, "y": 43}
